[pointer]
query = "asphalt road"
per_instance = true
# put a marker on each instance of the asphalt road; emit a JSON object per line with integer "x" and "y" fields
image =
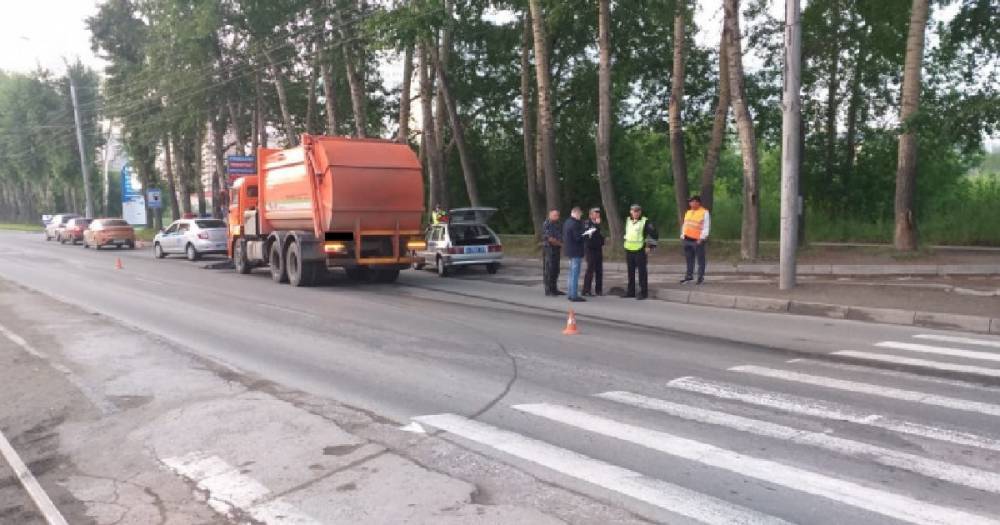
{"x": 674, "y": 413}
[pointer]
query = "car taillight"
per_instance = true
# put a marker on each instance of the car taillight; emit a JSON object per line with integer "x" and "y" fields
{"x": 203, "y": 235}
{"x": 495, "y": 248}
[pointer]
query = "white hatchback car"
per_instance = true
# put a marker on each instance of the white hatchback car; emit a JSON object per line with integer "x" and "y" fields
{"x": 191, "y": 237}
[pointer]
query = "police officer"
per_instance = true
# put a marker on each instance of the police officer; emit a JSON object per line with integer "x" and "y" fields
{"x": 640, "y": 239}
{"x": 551, "y": 250}
{"x": 438, "y": 215}
{"x": 594, "y": 253}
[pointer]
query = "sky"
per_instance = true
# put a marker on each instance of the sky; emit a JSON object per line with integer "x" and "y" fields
{"x": 42, "y": 32}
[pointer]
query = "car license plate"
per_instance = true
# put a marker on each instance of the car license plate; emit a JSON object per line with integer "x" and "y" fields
{"x": 475, "y": 249}
{"x": 120, "y": 241}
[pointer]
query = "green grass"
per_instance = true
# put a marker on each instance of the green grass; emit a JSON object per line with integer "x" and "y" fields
{"x": 37, "y": 228}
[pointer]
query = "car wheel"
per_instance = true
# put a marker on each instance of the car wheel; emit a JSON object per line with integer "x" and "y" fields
{"x": 158, "y": 251}
{"x": 47, "y": 238}
{"x": 278, "y": 273}
{"x": 240, "y": 261}
{"x": 493, "y": 268}
{"x": 131, "y": 245}
{"x": 85, "y": 245}
{"x": 442, "y": 268}
{"x": 192, "y": 254}
{"x": 61, "y": 240}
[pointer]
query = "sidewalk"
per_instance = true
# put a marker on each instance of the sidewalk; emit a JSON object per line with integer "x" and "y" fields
{"x": 961, "y": 300}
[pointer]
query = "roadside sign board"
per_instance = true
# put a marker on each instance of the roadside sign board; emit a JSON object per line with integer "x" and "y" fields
{"x": 240, "y": 165}
{"x": 133, "y": 201}
{"x": 153, "y": 199}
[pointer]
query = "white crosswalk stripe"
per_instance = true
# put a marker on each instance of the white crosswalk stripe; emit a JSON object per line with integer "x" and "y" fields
{"x": 923, "y": 363}
{"x": 940, "y": 350}
{"x": 895, "y": 506}
{"x": 953, "y": 403}
{"x": 958, "y": 474}
{"x": 827, "y": 410}
{"x": 673, "y": 498}
{"x": 960, "y": 340}
{"x": 897, "y": 374}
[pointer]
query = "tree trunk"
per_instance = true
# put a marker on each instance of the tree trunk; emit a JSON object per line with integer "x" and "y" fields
{"x": 175, "y": 209}
{"x": 403, "y": 135}
{"x": 854, "y": 105}
{"x": 604, "y": 180}
{"x": 182, "y": 171}
{"x": 354, "y": 82}
{"x": 428, "y": 141}
{"x": 199, "y": 169}
{"x": 718, "y": 128}
{"x": 905, "y": 237}
{"x": 677, "y": 160}
{"x": 528, "y": 130}
{"x": 546, "y": 129}
{"x": 458, "y": 133}
{"x": 219, "y": 183}
{"x": 832, "y": 99}
{"x": 286, "y": 115}
{"x": 744, "y": 125}
{"x": 330, "y": 96}
{"x": 235, "y": 123}
{"x": 441, "y": 110}
{"x": 311, "y": 96}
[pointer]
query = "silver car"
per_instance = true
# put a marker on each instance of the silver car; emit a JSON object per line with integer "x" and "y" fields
{"x": 56, "y": 224}
{"x": 191, "y": 237}
{"x": 464, "y": 240}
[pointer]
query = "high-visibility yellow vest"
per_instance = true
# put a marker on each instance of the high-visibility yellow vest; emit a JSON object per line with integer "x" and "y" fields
{"x": 436, "y": 216}
{"x": 635, "y": 234}
{"x": 694, "y": 221}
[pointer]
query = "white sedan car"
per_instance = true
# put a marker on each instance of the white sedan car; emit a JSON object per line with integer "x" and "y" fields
{"x": 191, "y": 237}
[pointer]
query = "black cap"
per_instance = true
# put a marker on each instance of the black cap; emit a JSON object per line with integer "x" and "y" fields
{"x": 695, "y": 198}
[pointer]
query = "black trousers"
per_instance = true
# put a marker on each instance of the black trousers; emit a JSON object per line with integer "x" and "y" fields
{"x": 636, "y": 261}
{"x": 693, "y": 250}
{"x": 595, "y": 271}
{"x": 550, "y": 268}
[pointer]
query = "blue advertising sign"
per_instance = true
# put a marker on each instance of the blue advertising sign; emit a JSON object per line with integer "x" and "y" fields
{"x": 237, "y": 165}
{"x": 153, "y": 199}
{"x": 133, "y": 201}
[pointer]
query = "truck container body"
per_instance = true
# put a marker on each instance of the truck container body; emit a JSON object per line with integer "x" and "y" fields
{"x": 330, "y": 202}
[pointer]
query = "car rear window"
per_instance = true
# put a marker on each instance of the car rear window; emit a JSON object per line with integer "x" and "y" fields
{"x": 114, "y": 223}
{"x": 470, "y": 235}
{"x": 213, "y": 223}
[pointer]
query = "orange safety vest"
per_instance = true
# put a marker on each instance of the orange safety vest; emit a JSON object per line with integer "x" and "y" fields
{"x": 694, "y": 221}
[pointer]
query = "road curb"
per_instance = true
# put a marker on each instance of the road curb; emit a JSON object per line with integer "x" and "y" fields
{"x": 941, "y": 321}
{"x": 840, "y": 270}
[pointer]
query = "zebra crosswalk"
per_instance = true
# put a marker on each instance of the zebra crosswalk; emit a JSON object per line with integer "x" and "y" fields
{"x": 847, "y": 448}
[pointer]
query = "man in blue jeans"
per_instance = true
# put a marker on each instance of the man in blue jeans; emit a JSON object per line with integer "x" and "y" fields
{"x": 573, "y": 241}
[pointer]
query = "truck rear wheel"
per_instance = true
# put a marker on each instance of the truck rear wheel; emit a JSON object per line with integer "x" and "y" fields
{"x": 240, "y": 261}
{"x": 385, "y": 276}
{"x": 300, "y": 273}
{"x": 358, "y": 273}
{"x": 278, "y": 273}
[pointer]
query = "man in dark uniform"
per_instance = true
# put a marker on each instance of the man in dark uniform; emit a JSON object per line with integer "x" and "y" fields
{"x": 594, "y": 253}
{"x": 640, "y": 239}
{"x": 551, "y": 250}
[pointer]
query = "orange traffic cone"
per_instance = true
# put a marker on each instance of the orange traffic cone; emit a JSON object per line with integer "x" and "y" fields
{"x": 118, "y": 264}
{"x": 571, "y": 324}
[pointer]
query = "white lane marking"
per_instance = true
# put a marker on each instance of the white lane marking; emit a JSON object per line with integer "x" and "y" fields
{"x": 909, "y": 376}
{"x": 30, "y": 484}
{"x": 956, "y": 339}
{"x": 941, "y": 350}
{"x": 923, "y": 363}
{"x": 827, "y": 410}
{"x": 958, "y": 474}
{"x": 413, "y": 427}
{"x": 229, "y": 490}
{"x": 870, "y": 499}
{"x": 676, "y": 499}
{"x": 105, "y": 406}
{"x": 875, "y": 390}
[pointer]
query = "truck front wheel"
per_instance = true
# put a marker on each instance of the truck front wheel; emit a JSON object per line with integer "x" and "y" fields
{"x": 240, "y": 261}
{"x": 278, "y": 273}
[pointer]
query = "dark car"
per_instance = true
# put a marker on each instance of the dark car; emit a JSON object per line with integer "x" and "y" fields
{"x": 73, "y": 231}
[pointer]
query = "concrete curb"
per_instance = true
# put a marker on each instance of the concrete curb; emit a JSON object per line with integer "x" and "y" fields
{"x": 941, "y": 321}
{"x": 843, "y": 270}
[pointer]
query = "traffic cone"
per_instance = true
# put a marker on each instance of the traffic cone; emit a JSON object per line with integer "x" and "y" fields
{"x": 118, "y": 264}
{"x": 571, "y": 324}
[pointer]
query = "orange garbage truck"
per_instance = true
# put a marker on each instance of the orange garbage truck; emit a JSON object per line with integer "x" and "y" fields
{"x": 330, "y": 202}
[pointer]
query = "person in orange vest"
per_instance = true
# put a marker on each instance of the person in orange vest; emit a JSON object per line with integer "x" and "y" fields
{"x": 694, "y": 235}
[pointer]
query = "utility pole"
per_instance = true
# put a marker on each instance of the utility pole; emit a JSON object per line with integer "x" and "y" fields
{"x": 791, "y": 148}
{"x": 89, "y": 207}
{"x": 107, "y": 162}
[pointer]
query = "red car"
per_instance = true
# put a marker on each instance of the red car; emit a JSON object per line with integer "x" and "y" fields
{"x": 109, "y": 232}
{"x": 73, "y": 232}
